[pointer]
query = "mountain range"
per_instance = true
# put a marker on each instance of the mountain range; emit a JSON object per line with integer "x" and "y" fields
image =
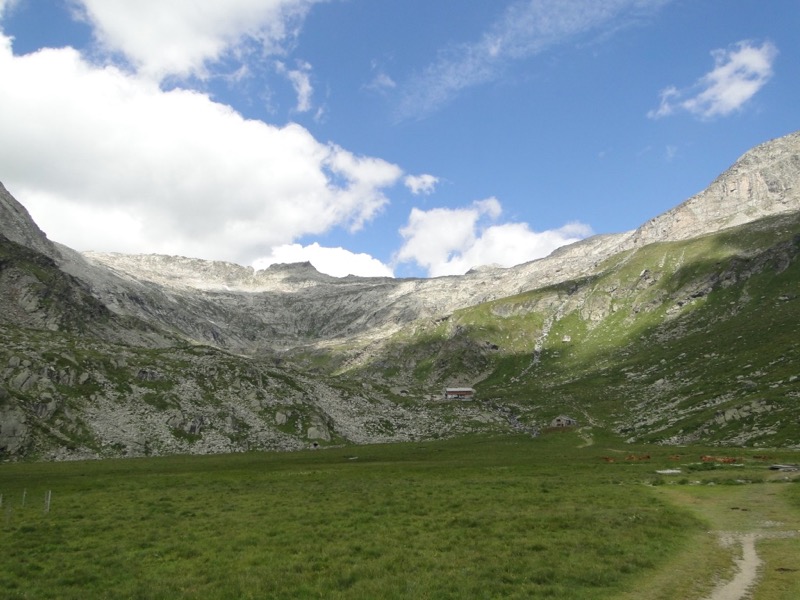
{"x": 684, "y": 329}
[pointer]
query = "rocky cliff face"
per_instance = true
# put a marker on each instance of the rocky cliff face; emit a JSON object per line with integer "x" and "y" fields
{"x": 761, "y": 183}
{"x": 17, "y": 225}
{"x": 109, "y": 354}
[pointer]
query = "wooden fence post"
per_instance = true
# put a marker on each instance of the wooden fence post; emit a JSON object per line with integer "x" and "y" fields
{"x": 47, "y": 497}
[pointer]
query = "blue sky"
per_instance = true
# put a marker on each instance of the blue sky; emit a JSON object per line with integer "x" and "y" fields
{"x": 380, "y": 137}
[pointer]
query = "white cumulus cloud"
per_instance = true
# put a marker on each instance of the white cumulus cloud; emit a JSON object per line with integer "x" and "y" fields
{"x": 421, "y": 184}
{"x": 180, "y": 37}
{"x": 451, "y": 241}
{"x": 738, "y": 74}
{"x": 106, "y": 160}
{"x": 333, "y": 261}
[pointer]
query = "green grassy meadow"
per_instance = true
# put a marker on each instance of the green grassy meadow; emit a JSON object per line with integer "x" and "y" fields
{"x": 494, "y": 517}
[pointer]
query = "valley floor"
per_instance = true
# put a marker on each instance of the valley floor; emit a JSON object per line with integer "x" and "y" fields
{"x": 502, "y": 516}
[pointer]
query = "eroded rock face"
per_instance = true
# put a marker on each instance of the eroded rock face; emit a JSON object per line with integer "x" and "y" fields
{"x": 754, "y": 407}
{"x": 318, "y": 433}
{"x": 13, "y": 431}
{"x": 17, "y": 225}
{"x": 761, "y": 183}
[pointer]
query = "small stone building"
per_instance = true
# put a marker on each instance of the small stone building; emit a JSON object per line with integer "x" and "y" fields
{"x": 563, "y": 421}
{"x": 460, "y": 393}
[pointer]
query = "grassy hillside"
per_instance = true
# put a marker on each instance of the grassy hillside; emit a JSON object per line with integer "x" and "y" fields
{"x": 671, "y": 342}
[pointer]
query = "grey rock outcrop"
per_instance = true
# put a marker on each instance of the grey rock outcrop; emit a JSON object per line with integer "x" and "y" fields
{"x": 17, "y": 225}
{"x": 13, "y": 431}
{"x": 763, "y": 182}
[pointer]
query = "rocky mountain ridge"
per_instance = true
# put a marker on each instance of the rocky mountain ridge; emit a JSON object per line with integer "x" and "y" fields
{"x": 763, "y": 182}
{"x": 109, "y": 354}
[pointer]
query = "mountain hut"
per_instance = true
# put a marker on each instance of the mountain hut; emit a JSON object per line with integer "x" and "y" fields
{"x": 460, "y": 393}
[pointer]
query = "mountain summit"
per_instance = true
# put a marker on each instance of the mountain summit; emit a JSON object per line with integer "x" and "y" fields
{"x": 763, "y": 182}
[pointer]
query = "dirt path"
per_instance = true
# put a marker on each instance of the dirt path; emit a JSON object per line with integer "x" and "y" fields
{"x": 742, "y": 518}
{"x": 748, "y": 565}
